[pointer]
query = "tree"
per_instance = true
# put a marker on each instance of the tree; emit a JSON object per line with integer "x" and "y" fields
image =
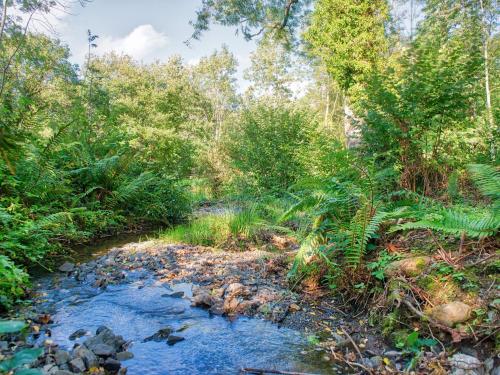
{"x": 271, "y": 73}
{"x": 253, "y": 18}
{"x": 349, "y": 36}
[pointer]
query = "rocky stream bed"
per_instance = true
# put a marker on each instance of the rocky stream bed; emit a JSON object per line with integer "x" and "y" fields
{"x": 156, "y": 308}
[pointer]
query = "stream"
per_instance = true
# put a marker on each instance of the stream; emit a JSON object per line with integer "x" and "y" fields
{"x": 141, "y": 305}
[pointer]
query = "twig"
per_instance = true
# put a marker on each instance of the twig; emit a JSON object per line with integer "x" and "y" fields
{"x": 352, "y": 342}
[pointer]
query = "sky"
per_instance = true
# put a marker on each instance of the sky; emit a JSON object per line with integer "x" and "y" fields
{"x": 147, "y": 30}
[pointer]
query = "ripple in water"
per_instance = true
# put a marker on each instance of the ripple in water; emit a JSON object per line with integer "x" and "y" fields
{"x": 212, "y": 345}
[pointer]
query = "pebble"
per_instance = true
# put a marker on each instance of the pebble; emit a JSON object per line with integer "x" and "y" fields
{"x": 77, "y": 365}
{"x": 112, "y": 365}
{"x": 172, "y": 340}
{"x": 124, "y": 356}
{"x": 77, "y": 334}
{"x": 62, "y": 357}
{"x": 67, "y": 267}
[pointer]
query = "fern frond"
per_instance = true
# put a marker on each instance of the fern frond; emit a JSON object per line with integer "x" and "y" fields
{"x": 487, "y": 179}
{"x": 363, "y": 227}
{"x": 456, "y": 222}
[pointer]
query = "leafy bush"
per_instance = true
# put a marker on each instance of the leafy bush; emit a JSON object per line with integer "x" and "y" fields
{"x": 12, "y": 282}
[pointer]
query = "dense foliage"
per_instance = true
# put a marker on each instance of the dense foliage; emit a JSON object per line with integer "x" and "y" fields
{"x": 119, "y": 144}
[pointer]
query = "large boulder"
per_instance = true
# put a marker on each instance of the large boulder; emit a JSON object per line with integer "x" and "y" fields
{"x": 410, "y": 267}
{"x": 451, "y": 313}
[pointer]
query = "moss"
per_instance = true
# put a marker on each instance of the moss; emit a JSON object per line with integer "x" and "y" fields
{"x": 390, "y": 322}
{"x": 399, "y": 337}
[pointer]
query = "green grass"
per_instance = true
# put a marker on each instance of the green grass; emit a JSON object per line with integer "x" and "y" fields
{"x": 216, "y": 229}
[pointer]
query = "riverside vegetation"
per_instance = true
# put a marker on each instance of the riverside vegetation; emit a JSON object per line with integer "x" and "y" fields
{"x": 377, "y": 184}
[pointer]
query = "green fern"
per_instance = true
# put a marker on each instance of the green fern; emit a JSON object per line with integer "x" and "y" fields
{"x": 487, "y": 179}
{"x": 364, "y": 226}
{"x": 456, "y": 222}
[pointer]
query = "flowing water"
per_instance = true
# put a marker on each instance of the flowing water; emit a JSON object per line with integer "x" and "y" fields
{"x": 140, "y": 306}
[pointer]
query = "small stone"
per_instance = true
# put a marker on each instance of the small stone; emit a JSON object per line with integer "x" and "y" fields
{"x": 124, "y": 356}
{"x": 326, "y": 358}
{"x": 67, "y": 267}
{"x": 112, "y": 365}
{"x": 340, "y": 341}
{"x": 49, "y": 369}
{"x": 88, "y": 357}
{"x": 77, "y": 334}
{"x": 377, "y": 361}
{"x": 462, "y": 361}
{"x": 162, "y": 334}
{"x": 103, "y": 350}
{"x": 62, "y": 357}
{"x": 202, "y": 299}
{"x": 409, "y": 267}
{"x": 172, "y": 340}
{"x": 393, "y": 354}
{"x": 294, "y": 307}
{"x": 101, "y": 329}
{"x": 451, "y": 313}
{"x": 77, "y": 365}
{"x": 179, "y": 294}
{"x": 4, "y": 345}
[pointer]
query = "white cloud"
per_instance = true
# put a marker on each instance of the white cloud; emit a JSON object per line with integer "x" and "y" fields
{"x": 142, "y": 43}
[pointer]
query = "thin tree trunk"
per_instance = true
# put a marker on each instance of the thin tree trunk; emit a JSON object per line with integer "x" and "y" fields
{"x": 489, "y": 111}
{"x": 4, "y": 18}
{"x": 327, "y": 110}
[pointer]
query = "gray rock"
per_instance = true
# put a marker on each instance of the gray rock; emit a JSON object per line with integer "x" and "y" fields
{"x": 340, "y": 341}
{"x": 101, "y": 329}
{"x": 103, "y": 350}
{"x": 89, "y": 358}
{"x": 49, "y": 369}
{"x": 77, "y": 365}
{"x": 162, "y": 334}
{"x": 377, "y": 361}
{"x": 4, "y": 345}
{"x": 179, "y": 294}
{"x": 489, "y": 364}
{"x": 62, "y": 357}
{"x": 67, "y": 267}
{"x": 172, "y": 339}
{"x": 107, "y": 337}
{"x": 77, "y": 334}
{"x": 112, "y": 365}
{"x": 463, "y": 364}
{"x": 393, "y": 354}
{"x": 124, "y": 356}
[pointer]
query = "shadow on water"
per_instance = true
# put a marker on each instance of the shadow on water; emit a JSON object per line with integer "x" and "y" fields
{"x": 140, "y": 306}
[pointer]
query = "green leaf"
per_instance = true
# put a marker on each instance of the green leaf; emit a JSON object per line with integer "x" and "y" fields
{"x": 28, "y": 371}
{"x": 11, "y": 326}
{"x": 412, "y": 339}
{"x": 24, "y": 357}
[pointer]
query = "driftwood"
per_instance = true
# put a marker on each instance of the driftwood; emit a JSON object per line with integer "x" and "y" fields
{"x": 257, "y": 371}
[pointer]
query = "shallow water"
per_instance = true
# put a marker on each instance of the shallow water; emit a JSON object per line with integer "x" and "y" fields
{"x": 139, "y": 307}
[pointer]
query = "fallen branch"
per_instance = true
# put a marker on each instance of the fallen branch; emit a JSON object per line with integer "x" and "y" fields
{"x": 258, "y": 371}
